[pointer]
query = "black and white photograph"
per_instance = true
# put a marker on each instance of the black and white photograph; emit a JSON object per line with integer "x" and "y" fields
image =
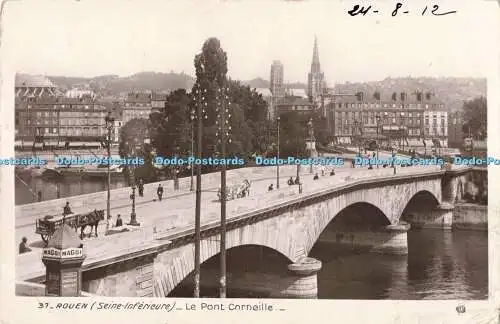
{"x": 251, "y": 151}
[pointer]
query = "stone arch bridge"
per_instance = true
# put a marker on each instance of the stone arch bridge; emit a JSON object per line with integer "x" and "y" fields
{"x": 291, "y": 228}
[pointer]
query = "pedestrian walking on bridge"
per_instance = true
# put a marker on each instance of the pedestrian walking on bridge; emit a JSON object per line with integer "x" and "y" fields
{"x": 159, "y": 191}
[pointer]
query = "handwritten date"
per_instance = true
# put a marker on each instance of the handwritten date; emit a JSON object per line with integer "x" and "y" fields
{"x": 362, "y": 10}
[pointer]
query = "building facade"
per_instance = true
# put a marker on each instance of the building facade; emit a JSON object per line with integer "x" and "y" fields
{"x": 137, "y": 105}
{"x": 276, "y": 87}
{"x": 55, "y": 120}
{"x": 295, "y": 104}
{"x": 393, "y": 119}
{"x": 315, "y": 80}
{"x": 158, "y": 101}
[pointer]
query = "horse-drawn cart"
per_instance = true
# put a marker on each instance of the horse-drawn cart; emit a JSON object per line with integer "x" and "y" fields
{"x": 47, "y": 226}
{"x": 237, "y": 191}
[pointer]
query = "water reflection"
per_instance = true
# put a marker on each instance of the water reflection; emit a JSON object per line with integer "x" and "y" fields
{"x": 67, "y": 187}
{"x": 440, "y": 265}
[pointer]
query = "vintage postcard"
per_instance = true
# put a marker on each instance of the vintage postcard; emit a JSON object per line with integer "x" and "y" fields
{"x": 242, "y": 161}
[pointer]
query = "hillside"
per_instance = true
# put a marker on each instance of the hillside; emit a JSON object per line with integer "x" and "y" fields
{"x": 453, "y": 91}
{"x": 114, "y": 85}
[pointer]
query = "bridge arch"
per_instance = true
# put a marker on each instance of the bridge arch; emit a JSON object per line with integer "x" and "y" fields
{"x": 421, "y": 202}
{"x": 389, "y": 200}
{"x": 242, "y": 259}
{"x": 171, "y": 267}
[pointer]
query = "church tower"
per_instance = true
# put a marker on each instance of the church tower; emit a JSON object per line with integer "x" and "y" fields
{"x": 316, "y": 77}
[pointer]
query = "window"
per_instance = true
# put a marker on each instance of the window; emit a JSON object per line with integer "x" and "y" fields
{"x": 54, "y": 130}
{"x": 46, "y": 130}
{"x": 394, "y": 120}
{"x": 377, "y": 106}
{"x": 385, "y": 105}
{"x": 426, "y": 106}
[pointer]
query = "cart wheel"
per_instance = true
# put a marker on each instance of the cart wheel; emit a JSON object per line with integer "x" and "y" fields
{"x": 46, "y": 238}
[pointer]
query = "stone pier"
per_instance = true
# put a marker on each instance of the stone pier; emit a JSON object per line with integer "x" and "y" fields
{"x": 391, "y": 239}
{"x": 298, "y": 281}
{"x": 302, "y": 281}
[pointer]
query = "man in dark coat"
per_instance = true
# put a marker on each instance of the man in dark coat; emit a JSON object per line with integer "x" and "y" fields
{"x": 159, "y": 191}
{"x": 67, "y": 209}
{"x": 119, "y": 221}
{"x": 23, "y": 246}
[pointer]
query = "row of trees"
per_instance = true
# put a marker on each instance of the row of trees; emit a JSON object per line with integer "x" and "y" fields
{"x": 475, "y": 115}
{"x": 251, "y": 131}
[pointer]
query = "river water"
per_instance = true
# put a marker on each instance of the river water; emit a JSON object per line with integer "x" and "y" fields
{"x": 67, "y": 187}
{"x": 440, "y": 265}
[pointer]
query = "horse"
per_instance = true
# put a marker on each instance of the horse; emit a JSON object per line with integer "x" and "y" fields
{"x": 92, "y": 219}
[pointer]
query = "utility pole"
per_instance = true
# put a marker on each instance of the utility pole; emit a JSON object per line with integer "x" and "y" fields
{"x": 200, "y": 101}
{"x": 278, "y": 155}
{"x": 224, "y": 116}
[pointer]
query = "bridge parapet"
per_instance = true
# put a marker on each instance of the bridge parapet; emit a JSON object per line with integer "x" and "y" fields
{"x": 28, "y": 213}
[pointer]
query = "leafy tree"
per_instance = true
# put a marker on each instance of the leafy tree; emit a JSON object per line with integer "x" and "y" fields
{"x": 134, "y": 137}
{"x": 171, "y": 128}
{"x": 293, "y": 135}
{"x": 211, "y": 70}
{"x": 475, "y": 117}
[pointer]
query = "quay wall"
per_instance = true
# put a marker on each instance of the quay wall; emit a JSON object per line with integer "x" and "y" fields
{"x": 470, "y": 217}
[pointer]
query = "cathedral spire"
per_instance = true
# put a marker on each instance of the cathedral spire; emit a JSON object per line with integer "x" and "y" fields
{"x": 315, "y": 66}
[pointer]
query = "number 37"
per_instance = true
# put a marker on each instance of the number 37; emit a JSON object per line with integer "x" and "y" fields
{"x": 43, "y": 305}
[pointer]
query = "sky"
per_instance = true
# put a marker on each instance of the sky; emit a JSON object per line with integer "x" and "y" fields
{"x": 96, "y": 37}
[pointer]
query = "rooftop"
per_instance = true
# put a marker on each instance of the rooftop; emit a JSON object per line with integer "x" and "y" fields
{"x": 64, "y": 238}
{"x": 294, "y": 101}
{"x": 33, "y": 81}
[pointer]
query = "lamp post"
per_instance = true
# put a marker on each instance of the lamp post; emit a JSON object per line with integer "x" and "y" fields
{"x": 109, "y": 120}
{"x": 133, "y": 216}
{"x": 311, "y": 142}
{"x": 223, "y": 130}
{"x": 278, "y": 154}
{"x": 356, "y": 132}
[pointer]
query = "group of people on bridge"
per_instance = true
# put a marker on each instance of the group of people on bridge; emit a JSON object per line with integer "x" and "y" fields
{"x": 292, "y": 182}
